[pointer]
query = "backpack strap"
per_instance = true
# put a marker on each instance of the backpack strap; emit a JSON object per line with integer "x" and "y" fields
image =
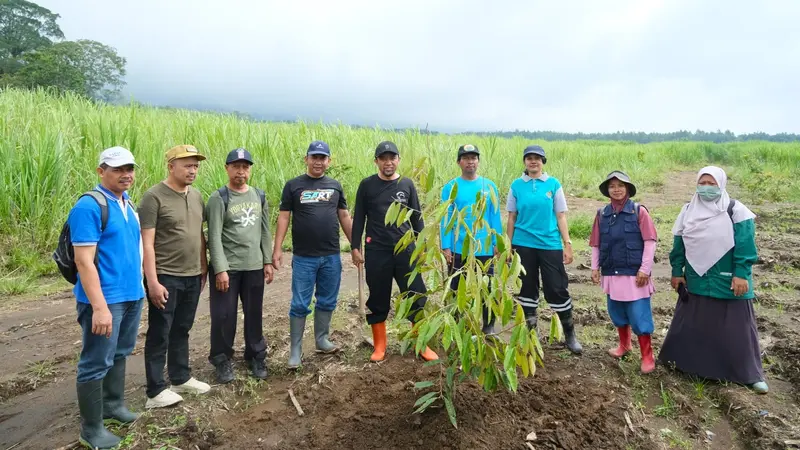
{"x": 101, "y": 200}
{"x": 262, "y": 196}
{"x": 223, "y": 192}
{"x": 730, "y": 208}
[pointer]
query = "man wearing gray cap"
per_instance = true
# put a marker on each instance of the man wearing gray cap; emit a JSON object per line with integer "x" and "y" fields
{"x": 104, "y": 232}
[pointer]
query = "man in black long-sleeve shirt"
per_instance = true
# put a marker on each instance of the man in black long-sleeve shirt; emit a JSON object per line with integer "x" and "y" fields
{"x": 374, "y": 197}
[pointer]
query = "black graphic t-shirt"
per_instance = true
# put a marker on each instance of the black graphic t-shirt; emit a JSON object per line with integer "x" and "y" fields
{"x": 373, "y": 199}
{"x": 314, "y": 203}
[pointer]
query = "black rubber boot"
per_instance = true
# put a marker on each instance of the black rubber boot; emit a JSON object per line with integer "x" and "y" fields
{"x": 531, "y": 318}
{"x": 114, "y": 409}
{"x": 569, "y": 332}
{"x": 90, "y": 403}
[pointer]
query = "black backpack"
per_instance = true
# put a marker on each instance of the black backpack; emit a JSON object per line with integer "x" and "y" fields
{"x": 223, "y": 192}
{"x": 64, "y": 255}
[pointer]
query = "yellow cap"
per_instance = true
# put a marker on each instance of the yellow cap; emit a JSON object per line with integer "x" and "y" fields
{"x": 183, "y": 151}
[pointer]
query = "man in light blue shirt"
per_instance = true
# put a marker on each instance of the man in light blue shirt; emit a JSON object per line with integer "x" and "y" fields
{"x": 471, "y": 186}
{"x": 109, "y": 293}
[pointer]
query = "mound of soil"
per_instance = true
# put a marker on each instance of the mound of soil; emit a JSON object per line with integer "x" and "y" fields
{"x": 373, "y": 409}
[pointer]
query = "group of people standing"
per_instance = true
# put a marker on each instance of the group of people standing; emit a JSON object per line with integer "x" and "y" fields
{"x": 159, "y": 251}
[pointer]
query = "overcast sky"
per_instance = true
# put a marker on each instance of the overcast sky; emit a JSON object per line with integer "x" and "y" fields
{"x": 583, "y": 65}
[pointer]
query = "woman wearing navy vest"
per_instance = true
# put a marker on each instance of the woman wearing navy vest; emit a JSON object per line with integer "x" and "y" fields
{"x": 623, "y": 242}
{"x": 538, "y": 230}
{"x": 713, "y": 333}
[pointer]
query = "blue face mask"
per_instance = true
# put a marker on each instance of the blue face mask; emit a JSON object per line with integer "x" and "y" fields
{"x": 709, "y": 193}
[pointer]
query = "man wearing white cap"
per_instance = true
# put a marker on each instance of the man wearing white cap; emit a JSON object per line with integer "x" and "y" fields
{"x": 105, "y": 234}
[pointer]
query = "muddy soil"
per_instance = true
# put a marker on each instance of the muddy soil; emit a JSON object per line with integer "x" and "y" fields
{"x": 591, "y": 401}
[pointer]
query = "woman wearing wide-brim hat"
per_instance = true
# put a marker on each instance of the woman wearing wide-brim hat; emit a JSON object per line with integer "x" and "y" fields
{"x": 623, "y": 242}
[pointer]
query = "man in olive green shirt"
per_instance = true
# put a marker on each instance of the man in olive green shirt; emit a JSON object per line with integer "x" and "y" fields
{"x": 239, "y": 242}
{"x": 175, "y": 268}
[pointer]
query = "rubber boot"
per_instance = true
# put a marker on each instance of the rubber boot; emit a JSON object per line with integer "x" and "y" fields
{"x": 532, "y": 319}
{"x": 624, "y": 342}
{"x": 322, "y": 326}
{"x": 569, "y": 332}
{"x": 648, "y": 363}
{"x": 379, "y": 338}
{"x": 114, "y": 409}
{"x": 297, "y": 325}
{"x": 90, "y": 403}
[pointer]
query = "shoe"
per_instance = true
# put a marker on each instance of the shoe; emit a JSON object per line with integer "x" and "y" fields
{"x": 624, "y": 342}
{"x": 760, "y": 387}
{"x": 90, "y": 403}
{"x": 193, "y": 386}
{"x": 322, "y": 325}
{"x": 114, "y": 409}
{"x": 164, "y": 398}
{"x": 297, "y": 326}
{"x": 225, "y": 373}
{"x": 379, "y": 338}
{"x": 429, "y": 355}
{"x": 532, "y": 320}
{"x": 258, "y": 369}
{"x": 569, "y": 332}
{"x": 648, "y": 363}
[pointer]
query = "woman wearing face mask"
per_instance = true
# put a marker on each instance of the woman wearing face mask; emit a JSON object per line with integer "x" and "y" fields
{"x": 623, "y": 242}
{"x": 713, "y": 333}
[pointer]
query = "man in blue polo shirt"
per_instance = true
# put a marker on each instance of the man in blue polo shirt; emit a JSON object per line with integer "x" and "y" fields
{"x": 109, "y": 296}
{"x": 537, "y": 227}
{"x": 470, "y": 186}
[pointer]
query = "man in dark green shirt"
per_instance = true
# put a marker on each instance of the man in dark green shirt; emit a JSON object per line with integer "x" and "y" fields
{"x": 239, "y": 242}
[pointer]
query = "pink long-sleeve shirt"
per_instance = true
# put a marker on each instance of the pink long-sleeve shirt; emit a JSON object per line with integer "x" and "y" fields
{"x": 623, "y": 288}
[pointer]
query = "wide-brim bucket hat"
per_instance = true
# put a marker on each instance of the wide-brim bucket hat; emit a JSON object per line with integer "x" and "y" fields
{"x": 621, "y": 176}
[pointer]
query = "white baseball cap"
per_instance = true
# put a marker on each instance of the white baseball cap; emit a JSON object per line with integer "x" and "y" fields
{"x": 116, "y": 157}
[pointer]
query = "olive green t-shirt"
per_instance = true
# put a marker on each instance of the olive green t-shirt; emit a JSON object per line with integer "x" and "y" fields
{"x": 239, "y": 239}
{"x": 178, "y": 220}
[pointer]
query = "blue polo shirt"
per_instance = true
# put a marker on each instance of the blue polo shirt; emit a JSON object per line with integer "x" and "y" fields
{"x": 119, "y": 247}
{"x": 536, "y": 202}
{"x": 468, "y": 190}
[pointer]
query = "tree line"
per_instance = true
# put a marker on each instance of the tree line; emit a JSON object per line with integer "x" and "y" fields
{"x": 34, "y": 53}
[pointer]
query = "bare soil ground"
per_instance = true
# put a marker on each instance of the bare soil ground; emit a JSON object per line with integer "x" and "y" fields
{"x": 591, "y": 401}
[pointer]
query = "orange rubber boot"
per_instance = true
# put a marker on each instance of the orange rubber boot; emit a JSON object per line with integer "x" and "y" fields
{"x": 379, "y": 337}
{"x": 624, "y": 342}
{"x": 648, "y": 363}
{"x": 429, "y": 355}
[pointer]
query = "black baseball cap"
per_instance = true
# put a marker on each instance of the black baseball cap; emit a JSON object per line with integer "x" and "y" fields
{"x": 239, "y": 154}
{"x": 386, "y": 147}
{"x": 468, "y": 149}
{"x": 318, "y": 148}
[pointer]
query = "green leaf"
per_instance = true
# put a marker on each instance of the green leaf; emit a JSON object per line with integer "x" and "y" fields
{"x": 508, "y": 362}
{"x": 537, "y": 344}
{"x": 532, "y": 365}
{"x": 508, "y": 308}
{"x": 522, "y": 361}
{"x": 404, "y": 344}
{"x": 515, "y": 336}
{"x": 431, "y": 177}
{"x": 423, "y": 384}
{"x": 391, "y": 213}
{"x": 456, "y": 334}
{"x": 450, "y": 375}
{"x": 447, "y": 336}
{"x": 420, "y": 344}
{"x": 512, "y": 378}
{"x": 451, "y": 411}
{"x": 454, "y": 192}
{"x": 428, "y": 402}
{"x": 461, "y": 298}
{"x": 555, "y": 329}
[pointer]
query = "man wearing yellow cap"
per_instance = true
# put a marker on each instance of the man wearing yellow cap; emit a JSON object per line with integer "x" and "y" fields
{"x": 175, "y": 269}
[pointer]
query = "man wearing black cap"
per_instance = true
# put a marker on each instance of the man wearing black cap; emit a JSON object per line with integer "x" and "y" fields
{"x": 319, "y": 207}
{"x": 374, "y": 197}
{"x": 470, "y": 186}
{"x": 241, "y": 261}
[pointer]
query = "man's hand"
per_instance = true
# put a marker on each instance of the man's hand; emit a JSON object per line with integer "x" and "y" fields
{"x": 357, "y": 258}
{"x": 677, "y": 281}
{"x": 568, "y": 254}
{"x": 269, "y": 273}
{"x": 596, "y": 276}
{"x": 102, "y": 323}
{"x": 158, "y": 295}
{"x": 222, "y": 282}
{"x": 739, "y": 286}
{"x": 641, "y": 279}
{"x": 277, "y": 259}
{"x": 448, "y": 255}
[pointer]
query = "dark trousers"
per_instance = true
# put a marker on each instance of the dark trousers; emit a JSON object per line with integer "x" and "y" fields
{"x": 249, "y": 285}
{"x": 167, "y": 339}
{"x": 458, "y": 263}
{"x": 554, "y": 279}
{"x": 381, "y": 266}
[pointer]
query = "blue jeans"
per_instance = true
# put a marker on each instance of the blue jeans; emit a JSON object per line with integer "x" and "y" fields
{"x": 99, "y": 352}
{"x": 308, "y": 272}
{"x": 637, "y": 314}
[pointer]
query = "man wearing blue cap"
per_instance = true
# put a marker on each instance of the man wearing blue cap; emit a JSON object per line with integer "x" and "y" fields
{"x": 537, "y": 227}
{"x": 239, "y": 242}
{"x": 319, "y": 207}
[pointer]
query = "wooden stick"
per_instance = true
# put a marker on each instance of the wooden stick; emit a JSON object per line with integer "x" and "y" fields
{"x": 296, "y": 404}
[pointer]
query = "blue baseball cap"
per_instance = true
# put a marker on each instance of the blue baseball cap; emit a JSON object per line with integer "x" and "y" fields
{"x": 318, "y": 148}
{"x": 533, "y": 150}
